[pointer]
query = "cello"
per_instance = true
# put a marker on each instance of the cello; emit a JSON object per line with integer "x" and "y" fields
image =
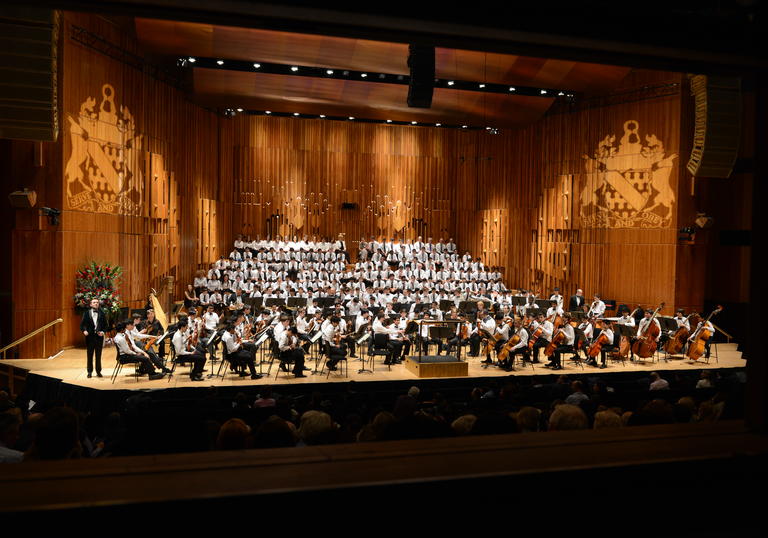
{"x": 698, "y": 339}
{"x": 594, "y": 349}
{"x": 645, "y": 345}
{"x": 676, "y": 343}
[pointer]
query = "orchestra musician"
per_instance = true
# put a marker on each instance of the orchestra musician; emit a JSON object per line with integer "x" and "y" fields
{"x": 681, "y": 321}
{"x": 185, "y": 353}
{"x": 597, "y": 308}
{"x": 485, "y": 323}
{"x": 607, "y": 330}
{"x": 557, "y": 298}
{"x": 641, "y": 328}
{"x": 521, "y": 348}
{"x": 461, "y": 338}
{"x": 545, "y": 338}
{"x": 131, "y": 353}
{"x": 566, "y": 347}
{"x": 425, "y": 339}
{"x": 335, "y": 348}
{"x": 291, "y": 352}
{"x": 576, "y": 301}
{"x": 501, "y": 334}
{"x": 238, "y": 354}
{"x": 138, "y": 337}
{"x": 706, "y": 324}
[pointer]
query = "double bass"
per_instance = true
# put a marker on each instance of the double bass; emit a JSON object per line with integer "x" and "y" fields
{"x": 676, "y": 343}
{"x": 645, "y": 345}
{"x": 698, "y": 339}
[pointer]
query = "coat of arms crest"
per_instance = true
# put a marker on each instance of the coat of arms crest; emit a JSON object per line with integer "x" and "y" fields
{"x": 628, "y": 186}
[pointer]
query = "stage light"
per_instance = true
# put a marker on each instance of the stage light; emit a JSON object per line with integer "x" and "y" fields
{"x": 294, "y": 68}
{"x": 329, "y": 71}
{"x": 438, "y": 124}
{"x": 345, "y": 73}
{"x": 363, "y": 75}
{"x": 382, "y": 75}
{"x": 389, "y": 121}
{"x": 413, "y": 123}
{"x": 451, "y": 83}
{"x": 543, "y": 92}
{"x": 351, "y": 117}
{"x": 463, "y": 126}
{"x": 322, "y": 116}
{"x": 481, "y": 85}
{"x": 295, "y": 113}
{"x": 192, "y": 60}
{"x": 220, "y": 62}
{"x": 267, "y": 112}
{"x": 560, "y": 93}
{"x": 239, "y": 109}
{"x": 256, "y": 66}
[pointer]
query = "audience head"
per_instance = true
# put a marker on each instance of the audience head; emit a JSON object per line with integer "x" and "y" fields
{"x": 568, "y": 417}
{"x": 233, "y": 435}
{"x": 607, "y": 419}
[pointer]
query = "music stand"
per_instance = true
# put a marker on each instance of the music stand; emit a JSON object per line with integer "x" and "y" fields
{"x": 446, "y": 304}
{"x": 667, "y": 324}
{"x": 296, "y": 302}
{"x": 578, "y": 315}
{"x": 255, "y": 302}
{"x": 467, "y": 306}
{"x": 517, "y": 301}
{"x": 326, "y": 302}
{"x": 271, "y": 301}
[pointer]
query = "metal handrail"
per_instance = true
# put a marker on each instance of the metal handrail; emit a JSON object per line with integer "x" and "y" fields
{"x": 727, "y": 336}
{"x": 30, "y": 335}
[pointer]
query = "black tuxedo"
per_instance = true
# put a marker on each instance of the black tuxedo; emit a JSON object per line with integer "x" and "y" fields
{"x": 94, "y": 342}
{"x": 575, "y": 303}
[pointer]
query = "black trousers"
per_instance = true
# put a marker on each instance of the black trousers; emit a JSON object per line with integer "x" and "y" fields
{"x": 197, "y": 360}
{"x": 146, "y": 363}
{"x": 93, "y": 345}
{"x": 540, "y": 343}
{"x": 559, "y": 350}
{"x": 295, "y": 357}
{"x": 426, "y": 342}
{"x": 335, "y": 354}
{"x": 243, "y": 357}
{"x": 351, "y": 343}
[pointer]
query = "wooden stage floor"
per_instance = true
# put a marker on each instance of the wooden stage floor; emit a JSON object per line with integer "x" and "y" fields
{"x": 69, "y": 367}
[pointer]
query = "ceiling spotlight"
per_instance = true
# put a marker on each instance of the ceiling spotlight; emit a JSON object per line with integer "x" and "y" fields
{"x": 487, "y": 128}
{"x": 220, "y": 62}
{"x": 329, "y": 71}
{"x": 351, "y": 117}
{"x": 463, "y": 126}
{"x": 511, "y": 88}
{"x": 543, "y": 92}
{"x": 239, "y": 109}
{"x": 256, "y": 66}
{"x": 481, "y": 85}
{"x": 192, "y": 60}
{"x": 267, "y": 112}
{"x": 363, "y": 75}
{"x": 295, "y": 113}
{"x": 389, "y": 121}
{"x": 294, "y": 68}
{"x": 561, "y": 93}
{"x": 438, "y": 124}
{"x": 451, "y": 83}
{"x": 322, "y": 115}
{"x": 413, "y": 123}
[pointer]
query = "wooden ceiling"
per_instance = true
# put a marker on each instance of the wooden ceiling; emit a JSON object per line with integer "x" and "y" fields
{"x": 364, "y": 99}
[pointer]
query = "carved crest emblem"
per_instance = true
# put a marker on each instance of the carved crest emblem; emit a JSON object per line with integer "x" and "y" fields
{"x": 103, "y": 172}
{"x": 628, "y": 186}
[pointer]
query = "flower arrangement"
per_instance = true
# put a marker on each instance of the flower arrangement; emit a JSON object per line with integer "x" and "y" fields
{"x": 98, "y": 281}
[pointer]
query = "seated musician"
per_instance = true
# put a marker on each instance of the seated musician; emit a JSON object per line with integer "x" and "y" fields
{"x": 457, "y": 340}
{"x": 291, "y": 352}
{"x": 704, "y": 324}
{"x": 153, "y": 327}
{"x": 486, "y": 324}
{"x": 545, "y": 338}
{"x": 566, "y": 346}
{"x": 501, "y": 335}
{"x": 597, "y": 308}
{"x": 128, "y": 350}
{"x": 425, "y": 339}
{"x": 681, "y": 321}
{"x": 304, "y": 328}
{"x": 210, "y": 319}
{"x": 521, "y": 348}
{"x": 336, "y": 349}
{"x": 554, "y": 310}
{"x": 139, "y": 338}
{"x": 239, "y": 353}
{"x": 643, "y": 326}
{"x": 626, "y": 319}
{"x": 185, "y": 352}
{"x": 607, "y": 330}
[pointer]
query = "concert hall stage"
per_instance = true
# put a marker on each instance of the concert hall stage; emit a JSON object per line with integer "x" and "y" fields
{"x": 69, "y": 368}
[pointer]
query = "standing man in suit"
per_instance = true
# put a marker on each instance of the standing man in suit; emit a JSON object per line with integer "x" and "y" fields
{"x": 576, "y": 302}
{"x": 93, "y": 325}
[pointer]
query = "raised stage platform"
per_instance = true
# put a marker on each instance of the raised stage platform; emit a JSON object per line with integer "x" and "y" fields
{"x": 69, "y": 367}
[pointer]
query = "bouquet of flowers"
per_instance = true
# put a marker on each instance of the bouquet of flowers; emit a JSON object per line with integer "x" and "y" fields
{"x": 98, "y": 281}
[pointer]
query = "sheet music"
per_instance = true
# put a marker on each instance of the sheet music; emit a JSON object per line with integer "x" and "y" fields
{"x": 315, "y": 337}
{"x": 363, "y": 338}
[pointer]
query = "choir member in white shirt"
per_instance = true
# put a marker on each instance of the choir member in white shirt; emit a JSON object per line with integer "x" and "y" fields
{"x": 291, "y": 352}
{"x": 182, "y": 346}
{"x": 237, "y": 354}
{"x": 130, "y": 353}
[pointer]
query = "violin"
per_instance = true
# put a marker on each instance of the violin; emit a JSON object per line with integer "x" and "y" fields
{"x": 698, "y": 340}
{"x": 645, "y": 345}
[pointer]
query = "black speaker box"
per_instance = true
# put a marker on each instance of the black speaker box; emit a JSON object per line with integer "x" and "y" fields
{"x": 421, "y": 61}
